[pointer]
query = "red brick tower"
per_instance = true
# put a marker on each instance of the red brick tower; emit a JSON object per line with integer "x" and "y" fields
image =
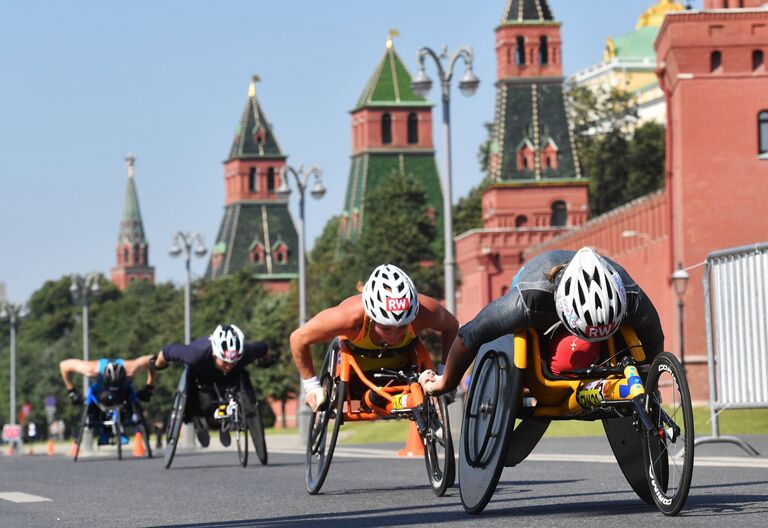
{"x": 132, "y": 247}
{"x": 712, "y": 69}
{"x": 538, "y": 190}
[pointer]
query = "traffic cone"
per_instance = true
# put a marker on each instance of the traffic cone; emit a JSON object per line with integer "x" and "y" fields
{"x": 51, "y": 448}
{"x": 138, "y": 445}
{"x": 73, "y": 449}
{"x": 413, "y": 446}
{"x": 9, "y": 451}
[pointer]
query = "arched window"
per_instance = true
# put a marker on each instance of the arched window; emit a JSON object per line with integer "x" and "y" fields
{"x": 413, "y": 128}
{"x": 253, "y": 184}
{"x": 521, "y": 221}
{"x": 757, "y": 60}
{"x": 525, "y": 162}
{"x": 559, "y": 214}
{"x": 271, "y": 179}
{"x": 386, "y": 129}
{"x": 715, "y": 61}
{"x": 520, "y": 51}
{"x": 762, "y": 124}
{"x": 543, "y": 50}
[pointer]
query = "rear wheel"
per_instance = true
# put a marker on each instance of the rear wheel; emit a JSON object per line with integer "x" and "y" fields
{"x": 438, "y": 446}
{"x": 256, "y": 427}
{"x": 117, "y": 431}
{"x": 174, "y": 426}
{"x": 142, "y": 425}
{"x": 668, "y": 449}
{"x": 241, "y": 432}
{"x": 320, "y": 446}
{"x": 83, "y": 424}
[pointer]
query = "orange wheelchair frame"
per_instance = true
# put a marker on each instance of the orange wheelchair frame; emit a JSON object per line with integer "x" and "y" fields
{"x": 430, "y": 414}
{"x": 512, "y": 400}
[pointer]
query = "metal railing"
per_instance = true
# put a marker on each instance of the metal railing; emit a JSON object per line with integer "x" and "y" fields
{"x": 736, "y": 311}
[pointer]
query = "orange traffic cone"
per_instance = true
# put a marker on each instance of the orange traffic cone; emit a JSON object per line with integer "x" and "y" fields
{"x": 51, "y": 448}
{"x": 9, "y": 451}
{"x": 414, "y": 445}
{"x": 73, "y": 449}
{"x": 138, "y": 445}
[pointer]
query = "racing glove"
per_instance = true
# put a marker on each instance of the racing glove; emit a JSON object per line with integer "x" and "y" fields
{"x": 427, "y": 381}
{"x": 267, "y": 360}
{"x": 75, "y": 397}
{"x": 315, "y": 394}
{"x": 146, "y": 393}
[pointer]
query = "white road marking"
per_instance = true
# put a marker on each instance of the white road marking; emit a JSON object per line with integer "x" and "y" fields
{"x": 17, "y": 496}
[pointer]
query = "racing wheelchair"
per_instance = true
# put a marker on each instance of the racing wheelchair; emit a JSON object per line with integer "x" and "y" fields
{"x": 109, "y": 414}
{"x": 237, "y": 411}
{"x": 342, "y": 378}
{"x": 645, "y": 408}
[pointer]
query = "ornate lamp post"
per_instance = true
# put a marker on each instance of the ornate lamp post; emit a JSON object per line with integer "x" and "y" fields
{"x": 13, "y": 312}
{"x": 182, "y": 243}
{"x": 301, "y": 178}
{"x": 468, "y": 84}
{"x": 680, "y": 282}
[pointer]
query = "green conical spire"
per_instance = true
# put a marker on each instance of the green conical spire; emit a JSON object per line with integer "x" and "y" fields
{"x": 131, "y": 226}
{"x": 390, "y": 84}
{"x": 253, "y": 136}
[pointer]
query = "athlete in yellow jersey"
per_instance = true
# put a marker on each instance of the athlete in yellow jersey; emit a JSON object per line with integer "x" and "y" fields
{"x": 379, "y": 327}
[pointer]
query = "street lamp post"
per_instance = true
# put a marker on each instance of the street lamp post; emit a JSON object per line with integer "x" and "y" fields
{"x": 680, "y": 282}
{"x": 13, "y": 312}
{"x": 468, "y": 86}
{"x": 81, "y": 289}
{"x": 182, "y": 243}
{"x": 301, "y": 178}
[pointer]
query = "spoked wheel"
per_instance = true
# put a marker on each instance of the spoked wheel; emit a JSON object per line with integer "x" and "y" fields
{"x": 83, "y": 424}
{"x": 489, "y": 416}
{"x": 256, "y": 427}
{"x": 143, "y": 428}
{"x": 241, "y": 432}
{"x": 438, "y": 446}
{"x": 668, "y": 449}
{"x": 320, "y": 446}
{"x": 174, "y": 426}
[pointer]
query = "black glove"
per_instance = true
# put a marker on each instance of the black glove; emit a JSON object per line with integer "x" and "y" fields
{"x": 267, "y": 361}
{"x": 146, "y": 393}
{"x": 75, "y": 397}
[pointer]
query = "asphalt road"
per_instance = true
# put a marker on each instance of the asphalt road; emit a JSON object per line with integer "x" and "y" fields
{"x": 565, "y": 482}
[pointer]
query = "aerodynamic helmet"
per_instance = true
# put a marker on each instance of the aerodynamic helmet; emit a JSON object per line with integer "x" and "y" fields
{"x": 389, "y": 296}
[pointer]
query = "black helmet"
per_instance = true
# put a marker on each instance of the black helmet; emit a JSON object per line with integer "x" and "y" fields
{"x": 114, "y": 373}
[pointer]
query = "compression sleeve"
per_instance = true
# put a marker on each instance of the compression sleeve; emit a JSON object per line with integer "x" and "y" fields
{"x": 253, "y": 351}
{"x": 503, "y": 316}
{"x": 645, "y": 321}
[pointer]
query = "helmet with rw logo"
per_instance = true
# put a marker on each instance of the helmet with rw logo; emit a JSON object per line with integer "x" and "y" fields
{"x": 389, "y": 297}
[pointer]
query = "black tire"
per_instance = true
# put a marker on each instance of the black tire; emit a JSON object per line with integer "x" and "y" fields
{"x": 175, "y": 421}
{"x": 142, "y": 425}
{"x": 83, "y": 424}
{"x": 438, "y": 446}
{"x": 668, "y": 452}
{"x": 241, "y": 431}
{"x": 492, "y": 404}
{"x": 256, "y": 427}
{"x": 117, "y": 430}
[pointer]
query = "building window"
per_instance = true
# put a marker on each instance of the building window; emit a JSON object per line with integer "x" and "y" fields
{"x": 413, "y": 128}
{"x": 520, "y": 51}
{"x": 757, "y": 60}
{"x": 253, "y": 183}
{"x": 543, "y": 50}
{"x": 271, "y": 179}
{"x": 125, "y": 256}
{"x": 521, "y": 221}
{"x": 762, "y": 120}
{"x": 559, "y": 214}
{"x": 386, "y": 129}
{"x": 715, "y": 61}
{"x": 525, "y": 161}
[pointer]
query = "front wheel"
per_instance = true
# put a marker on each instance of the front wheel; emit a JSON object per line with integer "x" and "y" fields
{"x": 241, "y": 433}
{"x": 438, "y": 446}
{"x": 668, "y": 448}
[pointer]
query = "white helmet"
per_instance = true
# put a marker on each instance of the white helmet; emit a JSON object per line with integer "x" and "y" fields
{"x": 227, "y": 343}
{"x": 389, "y": 296}
{"x": 590, "y": 298}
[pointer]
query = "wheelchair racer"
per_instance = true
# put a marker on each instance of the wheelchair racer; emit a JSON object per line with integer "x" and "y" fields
{"x": 379, "y": 326}
{"x": 216, "y": 364}
{"x": 112, "y": 383}
{"x": 585, "y": 294}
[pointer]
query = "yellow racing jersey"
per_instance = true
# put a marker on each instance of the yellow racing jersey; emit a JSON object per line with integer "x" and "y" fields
{"x": 370, "y": 356}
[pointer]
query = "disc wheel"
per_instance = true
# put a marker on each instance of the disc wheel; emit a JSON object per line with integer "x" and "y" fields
{"x": 668, "y": 449}
{"x": 492, "y": 403}
{"x": 241, "y": 432}
{"x": 438, "y": 446}
{"x": 320, "y": 445}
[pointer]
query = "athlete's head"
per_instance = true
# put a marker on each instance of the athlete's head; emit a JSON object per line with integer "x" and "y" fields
{"x": 389, "y": 297}
{"x": 114, "y": 374}
{"x": 227, "y": 342}
{"x": 590, "y": 298}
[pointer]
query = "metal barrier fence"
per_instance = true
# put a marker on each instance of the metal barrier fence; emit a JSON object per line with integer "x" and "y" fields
{"x": 736, "y": 310}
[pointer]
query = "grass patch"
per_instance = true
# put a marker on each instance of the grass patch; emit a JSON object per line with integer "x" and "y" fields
{"x": 377, "y": 432}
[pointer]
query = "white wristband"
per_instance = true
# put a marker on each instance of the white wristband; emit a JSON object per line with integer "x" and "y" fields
{"x": 311, "y": 383}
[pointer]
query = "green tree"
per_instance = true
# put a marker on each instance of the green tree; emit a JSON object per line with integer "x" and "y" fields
{"x": 468, "y": 212}
{"x": 646, "y": 161}
{"x": 609, "y": 174}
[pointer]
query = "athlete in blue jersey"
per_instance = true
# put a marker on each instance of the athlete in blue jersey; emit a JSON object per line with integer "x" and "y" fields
{"x": 587, "y": 295}
{"x": 111, "y": 377}
{"x": 215, "y": 362}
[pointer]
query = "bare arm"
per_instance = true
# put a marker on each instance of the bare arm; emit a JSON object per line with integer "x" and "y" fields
{"x": 459, "y": 359}
{"x": 343, "y": 319}
{"x": 68, "y": 367}
{"x": 433, "y": 316}
{"x": 139, "y": 365}
{"x": 161, "y": 363}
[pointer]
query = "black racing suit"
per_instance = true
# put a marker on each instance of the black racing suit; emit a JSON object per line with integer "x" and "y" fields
{"x": 530, "y": 303}
{"x": 207, "y": 384}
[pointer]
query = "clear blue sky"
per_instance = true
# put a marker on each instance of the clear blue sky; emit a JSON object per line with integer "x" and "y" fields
{"x": 86, "y": 82}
